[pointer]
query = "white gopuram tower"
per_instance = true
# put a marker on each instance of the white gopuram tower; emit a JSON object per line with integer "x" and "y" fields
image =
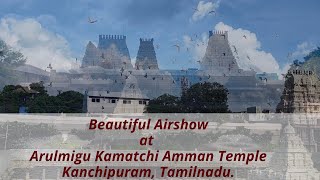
{"x": 291, "y": 162}
{"x": 219, "y": 58}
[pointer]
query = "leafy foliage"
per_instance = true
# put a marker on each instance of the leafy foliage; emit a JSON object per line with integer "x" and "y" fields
{"x": 165, "y": 103}
{"x": 205, "y": 98}
{"x": 10, "y": 57}
{"x": 10, "y": 100}
{"x": 38, "y": 87}
{"x": 41, "y": 102}
{"x": 199, "y": 98}
{"x": 314, "y": 53}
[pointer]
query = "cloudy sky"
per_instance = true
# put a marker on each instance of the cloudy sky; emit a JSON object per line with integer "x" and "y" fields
{"x": 57, "y": 31}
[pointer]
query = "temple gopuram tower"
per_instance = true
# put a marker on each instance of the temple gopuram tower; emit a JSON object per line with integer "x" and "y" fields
{"x": 218, "y": 57}
{"x": 301, "y": 93}
{"x": 146, "y": 58}
{"x": 112, "y": 53}
{"x": 291, "y": 161}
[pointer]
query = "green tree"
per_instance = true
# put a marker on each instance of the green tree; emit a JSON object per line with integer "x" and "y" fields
{"x": 199, "y": 98}
{"x": 205, "y": 98}
{"x": 11, "y": 99}
{"x": 39, "y": 87}
{"x": 66, "y": 102}
{"x": 45, "y": 104}
{"x": 165, "y": 103}
{"x": 10, "y": 57}
{"x": 72, "y": 101}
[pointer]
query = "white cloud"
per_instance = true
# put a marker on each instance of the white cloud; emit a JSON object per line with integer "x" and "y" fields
{"x": 203, "y": 9}
{"x": 302, "y": 50}
{"x": 247, "y": 44}
{"x": 196, "y": 46}
{"x": 38, "y": 44}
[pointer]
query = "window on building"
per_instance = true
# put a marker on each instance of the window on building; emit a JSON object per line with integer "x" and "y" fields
{"x": 126, "y": 101}
{"x": 93, "y": 100}
{"x": 113, "y": 101}
{"x": 144, "y": 102}
{"x": 140, "y": 102}
{"x": 98, "y": 100}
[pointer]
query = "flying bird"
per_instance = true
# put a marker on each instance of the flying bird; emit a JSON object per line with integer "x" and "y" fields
{"x": 248, "y": 57}
{"x": 91, "y": 21}
{"x": 235, "y": 49}
{"x": 195, "y": 9}
{"x": 157, "y": 46}
{"x": 178, "y": 47}
{"x": 212, "y": 12}
{"x": 50, "y": 85}
{"x": 146, "y": 75}
{"x": 244, "y": 36}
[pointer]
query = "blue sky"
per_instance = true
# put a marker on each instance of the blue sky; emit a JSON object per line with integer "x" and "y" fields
{"x": 280, "y": 26}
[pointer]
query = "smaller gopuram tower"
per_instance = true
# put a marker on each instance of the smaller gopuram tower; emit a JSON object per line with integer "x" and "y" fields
{"x": 146, "y": 57}
{"x": 301, "y": 92}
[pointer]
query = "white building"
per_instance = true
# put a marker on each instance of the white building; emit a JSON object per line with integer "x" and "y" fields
{"x": 130, "y": 100}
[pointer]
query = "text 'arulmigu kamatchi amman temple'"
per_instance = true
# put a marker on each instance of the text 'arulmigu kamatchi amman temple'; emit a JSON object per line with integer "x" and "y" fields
{"x": 107, "y": 71}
